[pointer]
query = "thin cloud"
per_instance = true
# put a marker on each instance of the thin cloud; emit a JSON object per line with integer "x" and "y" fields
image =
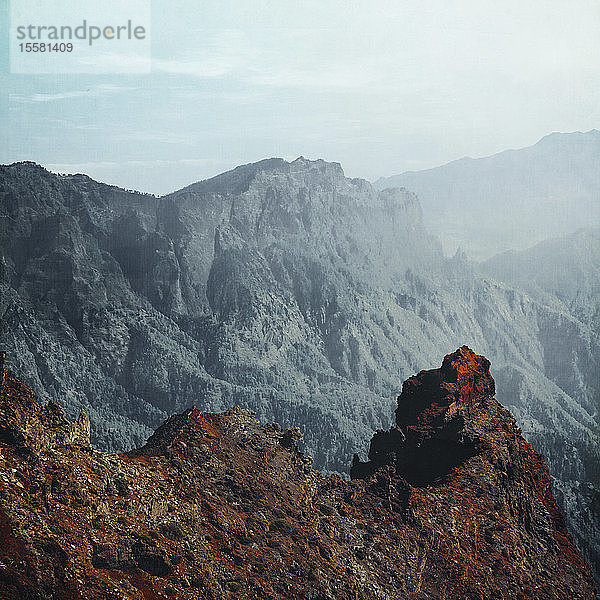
{"x": 114, "y": 63}
{"x": 98, "y": 90}
{"x": 197, "y": 68}
{"x": 222, "y": 53}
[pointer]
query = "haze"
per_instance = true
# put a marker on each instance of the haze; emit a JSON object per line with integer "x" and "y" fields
{"x": 382, "y": 87}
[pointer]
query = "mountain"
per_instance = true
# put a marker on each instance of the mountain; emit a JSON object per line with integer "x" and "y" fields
{"x": 513, "y": 199}
{"x": 563, "y": 274}
{"x": 284, "y": 288}
{"x": 565, "y": 268}
{"x": 454, "y": 504}
{"x": 246, "y": 295}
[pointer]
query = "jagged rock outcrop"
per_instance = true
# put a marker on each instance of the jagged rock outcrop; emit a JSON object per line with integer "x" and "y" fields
{"x": 285, "y": 288}
{"x": 435, "y": 422}
{"x": 217, "y": 506}
{"x": 29, "y": 427}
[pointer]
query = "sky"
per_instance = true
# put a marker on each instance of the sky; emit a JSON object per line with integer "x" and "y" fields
{"x": 380, "y": 86}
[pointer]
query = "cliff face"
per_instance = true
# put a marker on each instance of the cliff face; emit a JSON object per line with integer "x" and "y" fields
{"x": 217, "y": 506}
{"x": 285, "y": 288}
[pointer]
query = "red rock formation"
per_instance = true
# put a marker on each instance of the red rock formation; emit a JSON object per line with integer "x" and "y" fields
{"x": 453, "y": 504}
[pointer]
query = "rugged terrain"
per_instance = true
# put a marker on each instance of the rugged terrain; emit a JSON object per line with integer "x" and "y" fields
{"x": 284, "y": 288}
{"x": 453, "y": 503}
{"x": 564, "y": 275}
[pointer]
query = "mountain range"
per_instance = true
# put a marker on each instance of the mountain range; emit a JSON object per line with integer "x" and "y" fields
{"x": 288, "y": 289}
{"x": 513, "y": 199}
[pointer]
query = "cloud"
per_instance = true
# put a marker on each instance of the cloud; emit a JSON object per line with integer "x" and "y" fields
{"x": 98, "y": 90}
{"x": 333, "y": 78}
{"x": 113, "y": 63}
{"x": 195, "y": 68}
{"x": 216, "y": 55}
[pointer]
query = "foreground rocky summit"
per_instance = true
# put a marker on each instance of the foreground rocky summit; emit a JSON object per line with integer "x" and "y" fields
{"x": 453, "y": 503}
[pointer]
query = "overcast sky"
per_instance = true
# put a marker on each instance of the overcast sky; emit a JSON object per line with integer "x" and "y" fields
{"x": 381, "y": 87}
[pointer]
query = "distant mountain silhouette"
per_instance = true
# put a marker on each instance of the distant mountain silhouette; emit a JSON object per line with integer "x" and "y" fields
{"x": 513, "y": 199}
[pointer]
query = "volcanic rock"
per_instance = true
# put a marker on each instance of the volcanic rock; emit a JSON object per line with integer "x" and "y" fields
{"x": 218, "y": 506}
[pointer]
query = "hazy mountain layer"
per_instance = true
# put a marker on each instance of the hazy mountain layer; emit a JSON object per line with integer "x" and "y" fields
{"x": 513, "y": 199}
{"x": 282, "y": 287}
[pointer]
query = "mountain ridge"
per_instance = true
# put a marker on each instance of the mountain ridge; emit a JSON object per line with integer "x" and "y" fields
{"x": 542, "y": 141}
{"x": 218, "y": 506}
{"x": 548, "y": 189}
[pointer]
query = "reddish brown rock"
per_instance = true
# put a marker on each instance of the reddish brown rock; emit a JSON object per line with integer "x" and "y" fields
{"x": 452, "y": 504}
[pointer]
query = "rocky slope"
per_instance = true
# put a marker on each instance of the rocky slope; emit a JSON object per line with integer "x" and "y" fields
{"x": 285, "y": 288}
{"x": 513, "y": 199}
{"x": 563, "y": 274}
{"x": 454, "y": 503}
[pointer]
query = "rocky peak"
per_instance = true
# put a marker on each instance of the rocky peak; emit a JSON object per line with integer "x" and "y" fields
{"x": 444, "y": 417}
{"x": 218, "y": 506}
{"x": 239, "y": 180}
{"x": 450, "y": 428}
{"x": 191, "y": 428}
{"x": 183, "y": 434}
{"x": 431, "y": 397}
{"x": 245, "y": 225}
{"x": 332, "y": 169}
